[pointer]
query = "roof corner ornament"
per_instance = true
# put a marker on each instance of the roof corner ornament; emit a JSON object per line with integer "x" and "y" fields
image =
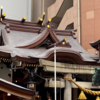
{"x": 48, "y": 26}
{"x": 96, "y": 45}
{"x": 23, "y": 19}
{"x": 41, "y": 19}
{"x": 3, "y": 15}
{"x": 48, "y": 23}
{"x": 43, "y": 15}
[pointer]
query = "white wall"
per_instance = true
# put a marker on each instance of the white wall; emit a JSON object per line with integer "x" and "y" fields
{"x": 16, "y": 9}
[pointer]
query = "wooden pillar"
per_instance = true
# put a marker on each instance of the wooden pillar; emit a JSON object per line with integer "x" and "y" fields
{"x": 4, "y": 96}
{"x": 75, "y": 93}
{"x": 68, "y": 89}
{"x": 33, "y": 97}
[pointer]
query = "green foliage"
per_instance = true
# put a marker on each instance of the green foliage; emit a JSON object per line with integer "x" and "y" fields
{"x": 96, "y": 77}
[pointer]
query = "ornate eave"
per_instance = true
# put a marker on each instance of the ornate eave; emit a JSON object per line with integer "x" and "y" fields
{"x": 79, "y": 56}
{"x": 15, "y": 89}
{"x": 10, "y": 21}
{"x": 95, "y": 44}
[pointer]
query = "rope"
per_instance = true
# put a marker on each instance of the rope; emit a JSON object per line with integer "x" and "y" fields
{"x": 83, "y": 89}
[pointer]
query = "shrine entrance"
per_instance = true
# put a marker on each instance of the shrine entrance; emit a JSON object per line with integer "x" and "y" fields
{"x": 47, "y": 93}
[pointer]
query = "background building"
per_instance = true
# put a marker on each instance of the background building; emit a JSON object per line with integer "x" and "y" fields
{"x": 90, "y": 22}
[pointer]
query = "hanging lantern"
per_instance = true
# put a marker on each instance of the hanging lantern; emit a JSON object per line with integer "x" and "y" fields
{"x": 37, "y": 94}
{"x": 31, "y": 84}
{"x": 82, "y": 96}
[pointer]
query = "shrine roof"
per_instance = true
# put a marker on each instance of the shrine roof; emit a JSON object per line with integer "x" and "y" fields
{"x": 24, "y": 40}
{"x": 95, "y": 44}
{"x": 14, "y": 89}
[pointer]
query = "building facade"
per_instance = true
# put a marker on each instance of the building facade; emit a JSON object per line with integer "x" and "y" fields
{"x": 82, "y": 15}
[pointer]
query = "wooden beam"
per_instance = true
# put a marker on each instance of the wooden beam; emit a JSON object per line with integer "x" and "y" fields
{"x": 67, "y": 68}
{"x": 16, "y": 90}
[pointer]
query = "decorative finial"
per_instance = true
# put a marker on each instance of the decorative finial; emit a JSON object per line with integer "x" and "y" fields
{"x": 42, "y": 24}
{"x": 49, "y": 19}
{"x": 48, "y": 26}
{"x": 65, "y": 38}
{"x": 4, "y": 14}
{"x": 1, "y": 7}
{"x": 24, "y": 18}
{"x": 63, "y": 43}
{"x": 41, "y": 19}
{"x": 0, "y": 19}
{"x": 43, "y": 13}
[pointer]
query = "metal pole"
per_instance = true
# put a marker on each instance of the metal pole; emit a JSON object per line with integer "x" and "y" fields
{"x": 55, "y": 68}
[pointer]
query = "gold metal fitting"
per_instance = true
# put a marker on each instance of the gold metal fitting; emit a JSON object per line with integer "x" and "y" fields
{"x": 24, "y": 18}
{"x": 41, "y": 19}
{"x": 4, "y": 14}
{"x": 63, "y": 43}
{"x": 43, "y": 13}
{"x": 1, "y": 19}
{"x": 48, "y": 26}
{"x": 65, "y": 38}
{"x": 49, "y": 19}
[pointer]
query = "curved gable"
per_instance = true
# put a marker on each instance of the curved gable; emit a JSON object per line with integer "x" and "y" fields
{"x": 41, "y": 37}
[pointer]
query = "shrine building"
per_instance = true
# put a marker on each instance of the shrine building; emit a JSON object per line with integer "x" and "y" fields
{"x": 27, "y": 61}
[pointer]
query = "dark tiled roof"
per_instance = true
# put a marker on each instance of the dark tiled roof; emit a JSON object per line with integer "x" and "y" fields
{"x": 15, "y": 39}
